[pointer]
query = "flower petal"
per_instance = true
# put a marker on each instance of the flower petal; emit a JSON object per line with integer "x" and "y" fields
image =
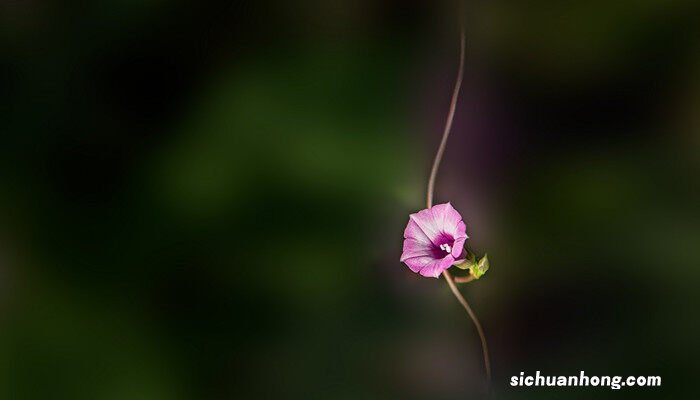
{"x": 429, "y": 266}
{"x": 449, "y": 219}
{"x": 414, "y": 231}
{"x": 458, "y": 246}
{"x": 415, "y": 248}
{"x": 425, "y": 220}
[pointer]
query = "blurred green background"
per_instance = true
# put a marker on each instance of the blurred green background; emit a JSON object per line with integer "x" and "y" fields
{"x": 207, "y": 200}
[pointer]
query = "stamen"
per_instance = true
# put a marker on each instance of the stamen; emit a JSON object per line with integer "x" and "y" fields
{"x": 446, "y": 248}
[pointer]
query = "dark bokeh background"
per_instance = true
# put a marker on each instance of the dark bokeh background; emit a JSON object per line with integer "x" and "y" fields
{"x": 206, "y": 201}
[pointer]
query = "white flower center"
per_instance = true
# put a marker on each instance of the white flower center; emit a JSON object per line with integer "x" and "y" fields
{"x": 446, "y": 247}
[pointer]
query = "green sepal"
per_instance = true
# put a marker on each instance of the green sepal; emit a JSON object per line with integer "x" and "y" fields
{"x": 478, "y": 269}
{"x": 468, "y": 263}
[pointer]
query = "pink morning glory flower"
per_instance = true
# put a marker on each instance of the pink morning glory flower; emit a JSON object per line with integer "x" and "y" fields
{"x": 433, "y": 240}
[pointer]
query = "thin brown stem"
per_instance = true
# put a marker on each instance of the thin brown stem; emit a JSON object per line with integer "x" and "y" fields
{"x": 464, "y": 279}
{"x": 448, "y": 123}
{"x": 431, "y": 188}
{"x": 479, "y": 329}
